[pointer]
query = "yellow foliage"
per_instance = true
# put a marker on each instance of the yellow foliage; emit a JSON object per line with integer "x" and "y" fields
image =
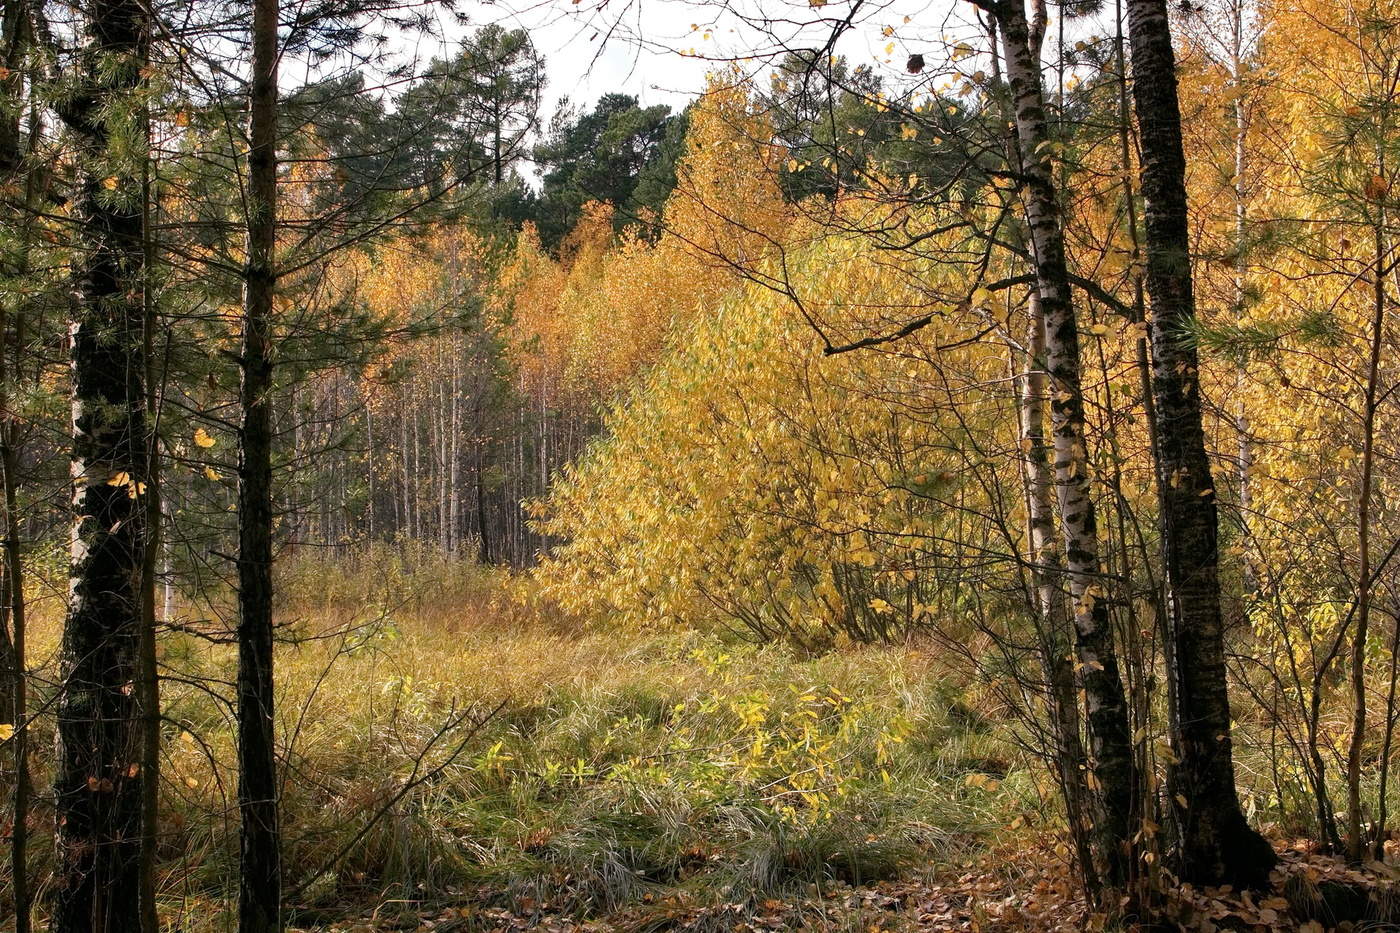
{"x": 749, "y": 477}
{"x": 584, "y": 326}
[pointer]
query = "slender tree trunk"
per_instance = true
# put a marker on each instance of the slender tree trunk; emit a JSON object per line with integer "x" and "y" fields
{"x": 1380, "y": 832}
{"x": 1046, "y": 570}
{"x": 407, "y": 526}
{"x": 1113, "y": 774}
{"x": 1356, "y": 837}
{"x": 497, "y": 156}
{"x": 1244, "y": 451}
{"x": 442, "y": 421}
{"x": 420, "y": 525}
{"x": 1215, "y": 843}
{"x": 482, "y": 527}
{"x": 259, "y": 903}
{"x": 167, "y": 573}
{"x": 454, "y": 455}
{"x": 19, "y": 706}
{"x": 98, "y": 792}
{"x": 148, "y": 687}
{"x": 370, "y": 466}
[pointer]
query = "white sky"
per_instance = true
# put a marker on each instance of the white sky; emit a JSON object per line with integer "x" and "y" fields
{"x": 643, "y": 55}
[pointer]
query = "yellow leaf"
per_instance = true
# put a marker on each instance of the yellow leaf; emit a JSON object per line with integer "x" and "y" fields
{"x": 7, "y": 731}
{"x": 210, "y": 473}
{"x": 202, "y": 438}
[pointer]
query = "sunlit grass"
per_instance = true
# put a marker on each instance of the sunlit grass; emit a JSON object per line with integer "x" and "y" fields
{"x": 612, "y": 769}
{"x": 445, "y": 742}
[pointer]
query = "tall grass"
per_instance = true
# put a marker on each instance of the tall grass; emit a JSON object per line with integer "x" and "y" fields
{"x": 614, "y": 770}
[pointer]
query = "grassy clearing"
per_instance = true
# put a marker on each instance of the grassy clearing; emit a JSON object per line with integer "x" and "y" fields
{"x": 616, "y": 772}
{"x": 446, "y": 746}
{"x": 623, "y": 771}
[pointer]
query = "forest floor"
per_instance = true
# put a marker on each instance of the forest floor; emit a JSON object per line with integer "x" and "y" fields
{"x": 1020, "y": 888}
{"x": 455, "y": 760}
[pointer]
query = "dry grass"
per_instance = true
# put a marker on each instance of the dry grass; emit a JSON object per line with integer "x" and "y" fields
{"x": 617, "y": 771}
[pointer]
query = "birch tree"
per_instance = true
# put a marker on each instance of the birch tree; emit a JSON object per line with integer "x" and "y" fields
{"x": 1110, "y": 745}
{"x": 98, "y": 781}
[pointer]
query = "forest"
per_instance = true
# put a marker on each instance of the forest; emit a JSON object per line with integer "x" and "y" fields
{"x": 941, "y": 471}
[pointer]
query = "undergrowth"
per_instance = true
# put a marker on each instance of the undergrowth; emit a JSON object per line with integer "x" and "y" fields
{"x": 447, "y": 743}
{"x": 443, "y": 744}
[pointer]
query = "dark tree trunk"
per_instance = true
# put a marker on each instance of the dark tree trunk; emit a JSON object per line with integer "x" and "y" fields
{"x": 497, "y": 159}
{"x": 1357, "y": 847}
{"x": 13, "y": 33}
{"x": 13, "y": 691}
{"x": 1113, "y": 775}
{"x": 18, "y": 699}
{"x": 98, "y": 783}
{"x": 15, "y": 631}
{"x": 1215, "y": 843}
{"x": 148, "y": 687}
{"x": 259, "y": 905}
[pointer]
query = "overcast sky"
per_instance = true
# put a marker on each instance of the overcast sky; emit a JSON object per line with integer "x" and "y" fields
{"x": 642, "y": 54}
